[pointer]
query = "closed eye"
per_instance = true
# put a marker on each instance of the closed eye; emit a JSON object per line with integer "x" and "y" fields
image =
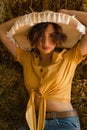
{"x": 53, "y": 36}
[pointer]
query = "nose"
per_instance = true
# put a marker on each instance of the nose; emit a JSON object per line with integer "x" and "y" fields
{"x": 46, "y": 41}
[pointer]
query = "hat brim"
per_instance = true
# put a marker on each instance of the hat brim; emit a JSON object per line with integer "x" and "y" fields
{"x": 72, "y": 29}
{"x": 72, "y": 37}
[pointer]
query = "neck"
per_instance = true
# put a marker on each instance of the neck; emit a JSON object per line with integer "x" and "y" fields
{"x": 45, "y": 56}
{"x": 45, "y": 59}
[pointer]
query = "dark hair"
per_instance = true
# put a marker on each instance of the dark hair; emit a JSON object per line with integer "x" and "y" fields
{"x": 38, "y": 31}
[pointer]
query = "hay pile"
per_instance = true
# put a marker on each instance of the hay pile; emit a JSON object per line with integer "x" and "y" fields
{"x": 13, "y": 95}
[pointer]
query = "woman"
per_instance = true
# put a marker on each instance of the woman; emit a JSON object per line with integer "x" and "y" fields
{"x": 48, "y": 74}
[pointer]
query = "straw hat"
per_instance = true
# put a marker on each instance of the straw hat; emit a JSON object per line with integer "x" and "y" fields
{"x": 70, "y": 25}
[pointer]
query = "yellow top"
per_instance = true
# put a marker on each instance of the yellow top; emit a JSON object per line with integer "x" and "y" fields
{"x": 50, "y": 82}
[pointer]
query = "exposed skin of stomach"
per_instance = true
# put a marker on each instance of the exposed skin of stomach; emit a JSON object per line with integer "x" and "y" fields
{"x": 52, "y": 105}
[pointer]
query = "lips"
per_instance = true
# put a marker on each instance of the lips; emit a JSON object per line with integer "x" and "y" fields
{"x": 46, "y": 48}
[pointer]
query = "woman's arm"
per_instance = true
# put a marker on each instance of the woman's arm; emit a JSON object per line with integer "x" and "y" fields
{"x": 4, "y": 28}
{"x": 80, "y": 15}
{"x": 83, "y": 43}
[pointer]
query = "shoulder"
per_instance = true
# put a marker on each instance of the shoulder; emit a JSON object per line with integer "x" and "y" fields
{"x": 24, "y": 55}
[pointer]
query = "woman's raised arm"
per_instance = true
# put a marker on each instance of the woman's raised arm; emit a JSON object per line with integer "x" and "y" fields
{"x": 4, "y": 28}
{"x": 82, "y": 17}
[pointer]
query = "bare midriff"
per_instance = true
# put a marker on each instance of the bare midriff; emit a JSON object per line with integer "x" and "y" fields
{"x": 52, "y": 105}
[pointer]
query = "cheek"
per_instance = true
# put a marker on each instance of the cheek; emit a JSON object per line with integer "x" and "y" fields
{"x": 54, "y": 45}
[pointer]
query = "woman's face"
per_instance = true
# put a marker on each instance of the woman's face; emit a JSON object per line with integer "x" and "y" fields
{"x": 46, "y": 45}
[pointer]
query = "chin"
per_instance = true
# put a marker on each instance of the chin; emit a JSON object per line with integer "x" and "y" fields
{"x": 47, "y": 52}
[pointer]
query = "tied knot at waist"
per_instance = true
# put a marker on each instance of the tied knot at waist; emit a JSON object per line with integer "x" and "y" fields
{"x": 36, "y": 92}
{"x": 31, "y": 112}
